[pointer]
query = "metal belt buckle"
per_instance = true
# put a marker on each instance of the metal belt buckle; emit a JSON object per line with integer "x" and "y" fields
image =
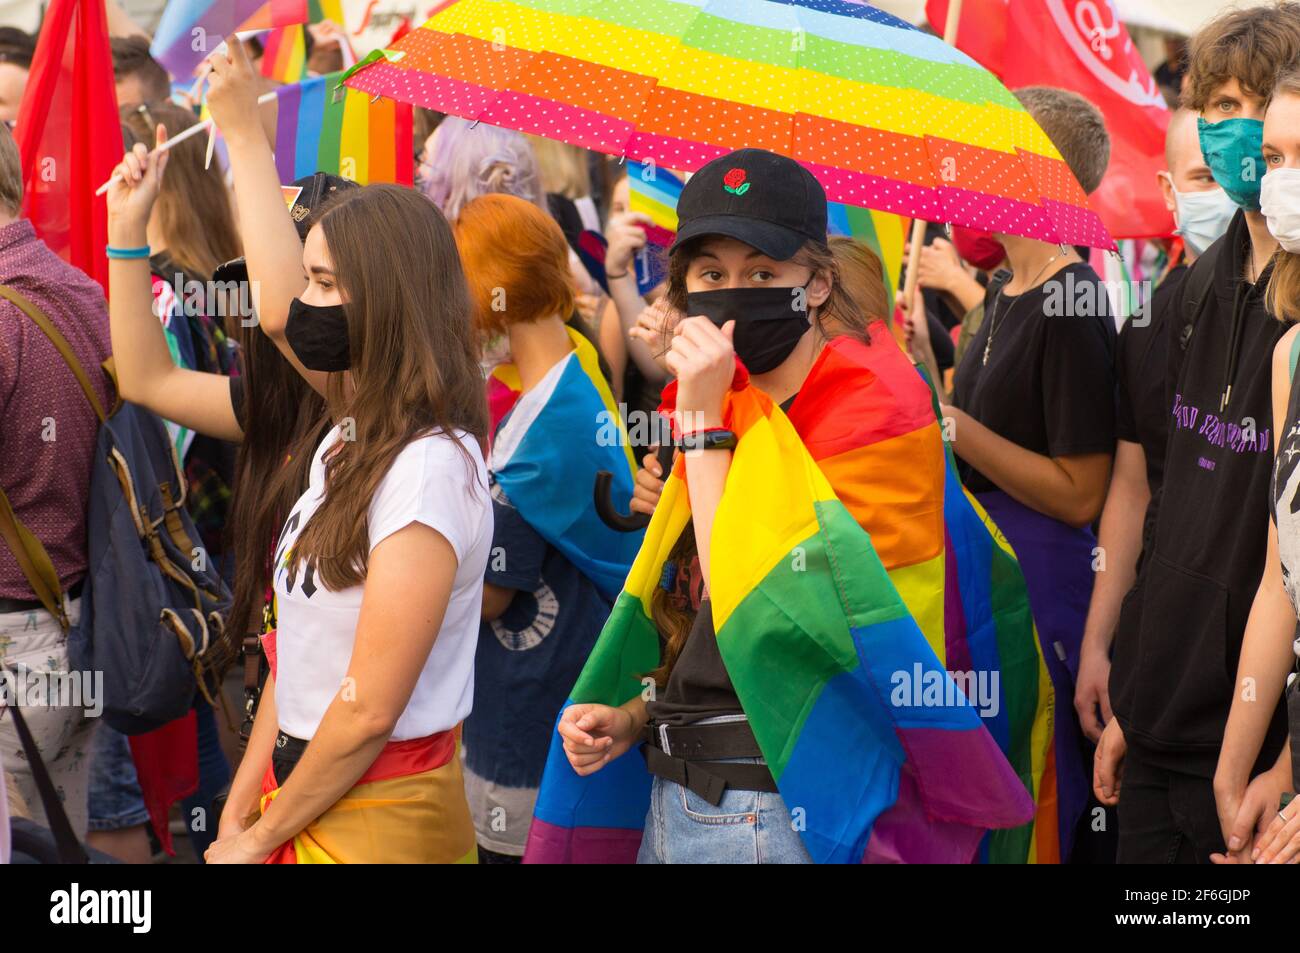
{"x": 663, "y": 739}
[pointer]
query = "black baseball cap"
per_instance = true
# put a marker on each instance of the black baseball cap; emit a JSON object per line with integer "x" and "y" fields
{"x": 757, "y": 197}
{"x": 316, "y": 189}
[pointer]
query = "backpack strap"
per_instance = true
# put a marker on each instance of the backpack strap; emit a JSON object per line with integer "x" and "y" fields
{"x": 1198, "y": 291}
{"x": 65, "y": 839}
{"x": 33, "y": 559}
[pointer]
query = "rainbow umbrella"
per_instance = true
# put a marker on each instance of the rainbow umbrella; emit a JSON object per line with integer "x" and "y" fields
{"x": 887, "y": 117}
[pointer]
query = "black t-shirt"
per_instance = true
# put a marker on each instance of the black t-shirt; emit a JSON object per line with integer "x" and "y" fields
{"x": 1049, "y": 383}
{"x": 1141, "y": 360}
{"x": 698, "y": 686}
{"x": 941, "y": 342}
{"x": 1180, "y": 630}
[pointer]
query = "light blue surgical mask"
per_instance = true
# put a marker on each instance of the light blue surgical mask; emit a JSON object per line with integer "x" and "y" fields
{"x": 1234, "y": 151}
{"x": 1203, "y": 217}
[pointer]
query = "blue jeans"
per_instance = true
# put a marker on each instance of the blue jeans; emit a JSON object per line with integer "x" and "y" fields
{"x": 747, "y": 827}
{"x": 114, "y": 798}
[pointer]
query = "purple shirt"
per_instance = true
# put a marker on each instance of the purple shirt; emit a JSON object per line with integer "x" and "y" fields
{"x": 49, "y": 428}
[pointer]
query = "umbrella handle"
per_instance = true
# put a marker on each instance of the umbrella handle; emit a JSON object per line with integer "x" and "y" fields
{"x": 605, "y": 509}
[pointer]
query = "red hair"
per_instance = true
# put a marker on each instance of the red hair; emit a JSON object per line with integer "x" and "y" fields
{"x": 516, "y": 261}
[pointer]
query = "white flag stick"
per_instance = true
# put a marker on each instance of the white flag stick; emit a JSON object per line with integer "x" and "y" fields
{"x": 192, "y": 131}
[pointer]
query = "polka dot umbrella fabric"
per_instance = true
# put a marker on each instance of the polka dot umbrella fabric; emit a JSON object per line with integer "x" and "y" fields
{"x": 886, "y": 116}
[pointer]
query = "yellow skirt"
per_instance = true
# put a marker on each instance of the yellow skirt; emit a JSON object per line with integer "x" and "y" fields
{"x": 393, "y": 815}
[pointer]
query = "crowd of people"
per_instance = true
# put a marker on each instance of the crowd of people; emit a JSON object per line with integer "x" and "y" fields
{"x": 391, "y": 405}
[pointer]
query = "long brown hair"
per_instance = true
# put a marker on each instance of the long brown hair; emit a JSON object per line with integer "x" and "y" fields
{"x": 673, "y": 621}
{"x": 283, "y": 422}
{"x": 414, "y": 368}
{"x": 193, "y": 206}
{"x": 1283, "y": 295}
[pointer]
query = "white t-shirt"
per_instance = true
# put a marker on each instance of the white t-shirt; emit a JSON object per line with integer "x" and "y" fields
{"x": 432, "y": 482}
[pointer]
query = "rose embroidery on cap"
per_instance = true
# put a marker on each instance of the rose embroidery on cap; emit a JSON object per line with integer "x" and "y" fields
{"x": 734, "y": 182}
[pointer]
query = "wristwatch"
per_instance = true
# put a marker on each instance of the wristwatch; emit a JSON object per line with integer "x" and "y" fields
{"x": 715, "y": 438}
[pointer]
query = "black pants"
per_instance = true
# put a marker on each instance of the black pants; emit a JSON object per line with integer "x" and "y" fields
{"x": 1165, "y": 817}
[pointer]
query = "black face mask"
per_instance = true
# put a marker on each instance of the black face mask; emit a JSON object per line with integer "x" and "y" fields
{"x": 318, "y": 336}
{"x": 768, "y": 325}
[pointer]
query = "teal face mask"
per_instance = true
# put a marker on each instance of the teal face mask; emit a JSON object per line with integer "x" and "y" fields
{"x": 1234, "y": 151}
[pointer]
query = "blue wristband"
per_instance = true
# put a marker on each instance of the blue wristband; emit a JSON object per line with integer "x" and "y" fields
{"x": 141, "y": 252}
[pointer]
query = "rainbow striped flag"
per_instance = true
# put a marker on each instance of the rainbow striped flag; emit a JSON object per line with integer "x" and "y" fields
{"x": 654, "y": 193}
{"x": 191, "y": 29}
{"x": 321, "y": 127}
{"x": 568, "y": 428}
{"x": 284, "y": 54}
{"x": 332, "y": 10}
{"x": 819, "y": 639}
{"x": 284, "y": 49}
{"x": 883, "y": 232}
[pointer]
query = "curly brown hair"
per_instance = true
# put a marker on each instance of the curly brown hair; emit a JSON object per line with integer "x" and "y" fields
{"x": 1249, "y": 45}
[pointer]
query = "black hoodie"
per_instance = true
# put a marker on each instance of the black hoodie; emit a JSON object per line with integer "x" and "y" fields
{"x": 1181, "y": 626}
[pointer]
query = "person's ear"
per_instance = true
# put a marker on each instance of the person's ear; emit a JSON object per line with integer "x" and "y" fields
{"x": 819, "y": 289}
{"x": 1166, "y": 181}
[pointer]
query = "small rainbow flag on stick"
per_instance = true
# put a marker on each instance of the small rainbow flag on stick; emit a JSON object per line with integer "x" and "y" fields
{"x": 284, "y": 54}
{"x": 321, "y": 127}
{"x": 191, "y": 29}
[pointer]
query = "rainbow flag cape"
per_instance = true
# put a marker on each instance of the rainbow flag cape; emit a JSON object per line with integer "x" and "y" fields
{"x": 547, "y": 441}
{"x": 826, "y": 657}
{"x": 191, "y": 29}
{"x": 346, "y": 134}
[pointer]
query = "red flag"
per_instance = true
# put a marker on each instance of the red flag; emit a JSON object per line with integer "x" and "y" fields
{"x": 167, "y": 768}
{"x": 1082, "y": 46}
{"x": 68, "y": 133}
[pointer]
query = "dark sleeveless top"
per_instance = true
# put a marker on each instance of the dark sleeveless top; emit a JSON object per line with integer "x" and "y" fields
{"x": 1284, "y": 505}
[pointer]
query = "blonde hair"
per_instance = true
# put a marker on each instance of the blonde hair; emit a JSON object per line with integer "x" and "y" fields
{"x": 863, "y": 278}
{"x": 563, "y": 168}
{"x": 1283, "y": 295}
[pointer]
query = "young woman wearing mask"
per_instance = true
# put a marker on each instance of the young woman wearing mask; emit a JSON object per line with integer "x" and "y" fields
{"x": 752, "y": 269}
{"x": 378, "y": 573}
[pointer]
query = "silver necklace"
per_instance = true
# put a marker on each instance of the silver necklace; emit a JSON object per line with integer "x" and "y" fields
{"x": 993, "y": 319}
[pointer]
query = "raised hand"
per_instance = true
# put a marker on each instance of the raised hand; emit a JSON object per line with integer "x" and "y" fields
{"x": 139, "y": 177}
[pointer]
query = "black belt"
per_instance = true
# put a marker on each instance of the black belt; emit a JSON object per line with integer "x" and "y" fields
{"x": 28, "y": 605}
{"x": 284, "y": 757}
{"x": 684, "y": 755}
